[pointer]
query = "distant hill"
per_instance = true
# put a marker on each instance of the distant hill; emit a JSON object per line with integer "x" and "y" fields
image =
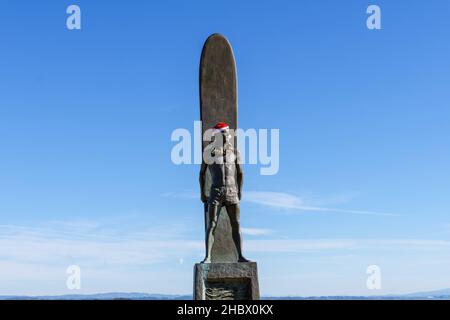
{"x": 443, "y": 294}
{"x": 431, "y": 294}
{"x": 103, "y": 296}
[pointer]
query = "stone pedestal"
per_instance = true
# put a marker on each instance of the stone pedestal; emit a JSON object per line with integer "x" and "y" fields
{"x": 226, "y": 281}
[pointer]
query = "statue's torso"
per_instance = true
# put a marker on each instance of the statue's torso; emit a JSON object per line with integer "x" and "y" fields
{"x": 223, "y": 170}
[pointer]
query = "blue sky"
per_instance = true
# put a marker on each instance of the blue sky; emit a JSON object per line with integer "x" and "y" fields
{"x": 86, "y": 118}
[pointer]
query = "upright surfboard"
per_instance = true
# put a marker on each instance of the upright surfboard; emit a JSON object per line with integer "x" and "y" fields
{"x": 218, "y": 102}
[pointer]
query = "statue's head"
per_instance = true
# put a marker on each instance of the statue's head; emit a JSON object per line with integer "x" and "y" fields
{"x": 222, "y": 132}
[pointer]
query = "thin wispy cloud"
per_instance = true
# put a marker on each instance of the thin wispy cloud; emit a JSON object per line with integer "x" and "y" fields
{"x": 42, "y": 253}
{"x": 38, "y": 244}
{"x": 46, "y": 244}
{"x": 306, "y": 245}
{"x": 56, "y": 242}
{"x": 298, "y": 245}
{"x": 287, "y": 201}
{"x": 281, "y": 200}
{"x": 256, "y": 231}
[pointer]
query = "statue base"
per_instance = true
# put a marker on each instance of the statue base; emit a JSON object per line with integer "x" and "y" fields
{"x": 226, "y": 281}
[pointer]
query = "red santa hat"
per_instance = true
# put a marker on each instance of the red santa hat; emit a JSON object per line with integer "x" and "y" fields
{"x": 220, "y": 127}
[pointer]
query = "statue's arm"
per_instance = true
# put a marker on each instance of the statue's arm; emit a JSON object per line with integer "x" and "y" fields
{"x": 239, "y": 173}
{"x": 202, "y": 182}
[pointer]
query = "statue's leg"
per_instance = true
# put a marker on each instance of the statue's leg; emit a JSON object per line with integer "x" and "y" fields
{"x": 212, "y": 212}
{"x": 234, "y": 213}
